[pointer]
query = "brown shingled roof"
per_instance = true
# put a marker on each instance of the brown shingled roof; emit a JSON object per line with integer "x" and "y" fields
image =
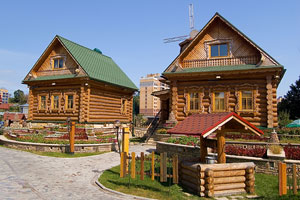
{"x": 12, "y": 116}
{"x": 205, "y": 124}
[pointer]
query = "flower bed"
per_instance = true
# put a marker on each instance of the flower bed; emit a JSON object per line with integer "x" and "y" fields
{"x": 239, "y": 150}
{"x": 186, "y": 140}
{"x": 245, "y": 136}
{"x": 292, "y": 152}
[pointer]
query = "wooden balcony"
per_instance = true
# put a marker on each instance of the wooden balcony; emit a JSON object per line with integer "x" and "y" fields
{"x": 245, "y": 60}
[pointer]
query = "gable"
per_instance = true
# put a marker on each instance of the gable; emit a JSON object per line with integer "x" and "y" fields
{"x": 241, "y": 50}
{"x": 43, "y": 68}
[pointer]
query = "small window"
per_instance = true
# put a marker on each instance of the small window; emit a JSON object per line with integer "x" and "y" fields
{"x": 55, "y": 102}
{"x": 194, "y": 101}
{"x": 58, "y": 63}
{"x": 219, "y": 101}
{"x": 42, "y": 102}
{"x": 69, "y": 102}
{"x": 219, "y": 50}
{"x": 247, "y": 100}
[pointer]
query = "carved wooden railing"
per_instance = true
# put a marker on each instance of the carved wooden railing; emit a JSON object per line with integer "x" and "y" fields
{"x": 244, "y": 60}
{"x": 152, "y": 126}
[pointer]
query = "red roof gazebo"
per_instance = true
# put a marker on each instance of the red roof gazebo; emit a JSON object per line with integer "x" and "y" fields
{"x": 205, "y": 124}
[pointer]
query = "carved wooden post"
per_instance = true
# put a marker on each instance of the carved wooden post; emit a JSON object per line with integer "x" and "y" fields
{"x": 203, "y": 149}
{"x": 133, "y": 165}
{"x": 175, "y": 169}
{"x": 72, "y": 137}
{"x": 282, "y": 179}
{"x": 295, "y": 179}
{"x": 209, "y": 183}
{"x": 250, "y": 179}
{"x": 221, "y": 147}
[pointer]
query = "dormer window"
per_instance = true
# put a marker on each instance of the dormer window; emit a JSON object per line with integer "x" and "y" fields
{"x": 219, "y": 50}
{"x": 58, "y": 63}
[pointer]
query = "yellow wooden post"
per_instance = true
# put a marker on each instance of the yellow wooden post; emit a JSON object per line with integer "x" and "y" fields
{"x": 203, "y": 149}
{"x": 295, "y": 179}
{"x": 72, "y": 138}
{"x": 125, "y": 140}
{"x": 122, "y": 173}
{"x": 133, "y": 165}
{"x": 282, "y": 179}
{"x": 152, "y": 166}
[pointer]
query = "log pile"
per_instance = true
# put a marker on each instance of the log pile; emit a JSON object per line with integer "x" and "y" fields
{"x": 217, "y": 179}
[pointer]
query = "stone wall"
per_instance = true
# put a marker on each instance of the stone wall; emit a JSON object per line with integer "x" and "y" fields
{"x": 185, "y": 152}
{"x": 79, "y": 148}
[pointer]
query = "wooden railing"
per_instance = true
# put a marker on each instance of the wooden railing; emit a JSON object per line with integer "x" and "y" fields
{"x": 152, "y": 126}
{"x": 245, "y": 60}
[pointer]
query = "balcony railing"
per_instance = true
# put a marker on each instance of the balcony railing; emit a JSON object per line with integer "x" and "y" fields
{"x": 245, "y": 60}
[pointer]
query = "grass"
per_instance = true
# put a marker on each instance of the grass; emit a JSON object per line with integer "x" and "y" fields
{"x": 59, "y": 154}
{"x": 266, "y": 187}
{"x": 137, "y": 139}
{"x": 275, "y": 149}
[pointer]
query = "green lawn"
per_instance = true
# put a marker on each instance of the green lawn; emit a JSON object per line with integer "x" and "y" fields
{"x": 266, "y": 186}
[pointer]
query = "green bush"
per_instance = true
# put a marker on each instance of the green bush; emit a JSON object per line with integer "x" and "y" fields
{"x": 161, "y": 131}
{"x": 186, "y": 140}
{"x": 1, "y": 131}
{"x": 284, "y": 118}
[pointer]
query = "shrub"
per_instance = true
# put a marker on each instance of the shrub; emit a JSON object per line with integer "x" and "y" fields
{"x": 284, "y": 118}
{"x": 292, "y": 152}
{"x": 275, "y": 149}
{"x": 161, "y": 131}
{"x": 257, "y": 151}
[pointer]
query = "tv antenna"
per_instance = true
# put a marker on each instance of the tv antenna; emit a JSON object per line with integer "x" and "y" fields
{"x": 191, "y": 19}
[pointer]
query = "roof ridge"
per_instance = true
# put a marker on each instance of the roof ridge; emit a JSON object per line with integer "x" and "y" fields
{"x": 82, "y": 46}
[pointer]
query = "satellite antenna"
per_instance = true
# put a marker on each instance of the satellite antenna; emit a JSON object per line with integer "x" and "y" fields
{"x": 191, "y": 19}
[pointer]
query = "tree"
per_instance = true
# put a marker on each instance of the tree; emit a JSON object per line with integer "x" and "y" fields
{"x": 291, "y": 101}
{"x": 19, "y": 97}
{"x": 136, "y": 104}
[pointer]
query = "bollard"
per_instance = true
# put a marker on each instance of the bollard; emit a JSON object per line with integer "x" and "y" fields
{"x": 72, "y": 137}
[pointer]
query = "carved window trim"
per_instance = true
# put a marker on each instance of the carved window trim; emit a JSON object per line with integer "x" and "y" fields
{"x": 207, "y": 45}
{"x": 219, "y": 88}
{"x": 66, "y": 109}
{"x": 39, "y": 102}
{"x": 187, "y": 91}
{"x": 238, "y": 93}
{"x": 52, "y": 102}
{"x": 123, "y": 108}
{"x": 59, "y": 56}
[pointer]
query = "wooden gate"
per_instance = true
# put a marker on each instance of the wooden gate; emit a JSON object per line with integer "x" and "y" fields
{"x": 288, "y": 178}
{"x": 128, "y": 166}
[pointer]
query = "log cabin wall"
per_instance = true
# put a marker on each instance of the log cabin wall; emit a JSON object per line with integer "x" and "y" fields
{"x": 265, "y": 104}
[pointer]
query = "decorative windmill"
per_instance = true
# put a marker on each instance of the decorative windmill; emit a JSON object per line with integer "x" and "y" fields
{"x": 193, "y": 31}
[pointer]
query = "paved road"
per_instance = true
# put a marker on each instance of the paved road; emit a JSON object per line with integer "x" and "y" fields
{"x": 28, "y": 176}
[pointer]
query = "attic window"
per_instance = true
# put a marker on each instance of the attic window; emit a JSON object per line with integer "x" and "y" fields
{"x": 58, "y": 63}
{"x": 219, "y": 50}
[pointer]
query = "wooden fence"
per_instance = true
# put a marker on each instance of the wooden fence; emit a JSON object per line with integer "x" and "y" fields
{"x": 288, "y": 178}
{"x": 128, "y": 166}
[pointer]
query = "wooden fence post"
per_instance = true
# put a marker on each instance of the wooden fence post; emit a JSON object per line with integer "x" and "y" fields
{"x": 175, "y": 169}
{"x": 163, "y": 167}
{"x": 72, "y": 138}
{"x": 282, "y": 179}
{"x": 122, "y": 172}
{"x": 133, "y": 165}
{"x": 295, "y": 179}
{"x": 152, "y": 166}
{"x": 142, "y": 166}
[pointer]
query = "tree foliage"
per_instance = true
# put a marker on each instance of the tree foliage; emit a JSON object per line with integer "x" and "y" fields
{"x": 291, "y": 101}
{"x": 136, "y": 104}
{"x": 19, "y": 97}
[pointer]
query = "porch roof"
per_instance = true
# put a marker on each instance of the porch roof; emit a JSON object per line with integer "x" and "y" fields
{"x": 205, "y": 124}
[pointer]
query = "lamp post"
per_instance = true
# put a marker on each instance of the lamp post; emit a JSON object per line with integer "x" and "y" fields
{"x": 117, "y": 124}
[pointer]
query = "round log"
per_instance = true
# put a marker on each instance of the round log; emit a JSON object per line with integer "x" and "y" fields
{"x": 193, "y": 186}
{"x": 208, "y": 172}
{"x": 191, "y": 179}
{"x": 229, "y": 192}
{"x": 229, "y": 173}
{"x": 250, "y": 176}
{"x": 209, "y": 180}
{"x": 235, "y": 179}
{"x": 209, "y": 193}
{"x": 250, "y": 190}
{"x": 250, "y": 183}
{"x": 229, "y": 186}
{"x": 226, "y": 166}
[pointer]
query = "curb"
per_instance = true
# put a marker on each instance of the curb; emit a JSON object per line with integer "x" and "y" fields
{"x": 119, "y": 193}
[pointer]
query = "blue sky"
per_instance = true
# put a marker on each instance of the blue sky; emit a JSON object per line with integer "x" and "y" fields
{"x": 132, "y": 32}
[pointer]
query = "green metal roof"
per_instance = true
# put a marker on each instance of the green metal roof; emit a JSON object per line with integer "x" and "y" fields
{"x": 46, "y": 78}
{"x": 98, "y": 66}
{"x": 223, "y": 68}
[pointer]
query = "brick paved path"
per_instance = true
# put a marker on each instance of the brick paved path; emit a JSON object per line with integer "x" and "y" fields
{"x": 25, "y": 175}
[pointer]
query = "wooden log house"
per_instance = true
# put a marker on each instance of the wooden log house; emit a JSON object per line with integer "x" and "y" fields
{"x": 219, "y": 69}
{"x": 70, "y": 80}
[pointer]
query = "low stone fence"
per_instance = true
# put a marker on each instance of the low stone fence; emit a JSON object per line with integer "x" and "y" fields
{"x": 79, "y": 148}
{"x": 191, "y": 153}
